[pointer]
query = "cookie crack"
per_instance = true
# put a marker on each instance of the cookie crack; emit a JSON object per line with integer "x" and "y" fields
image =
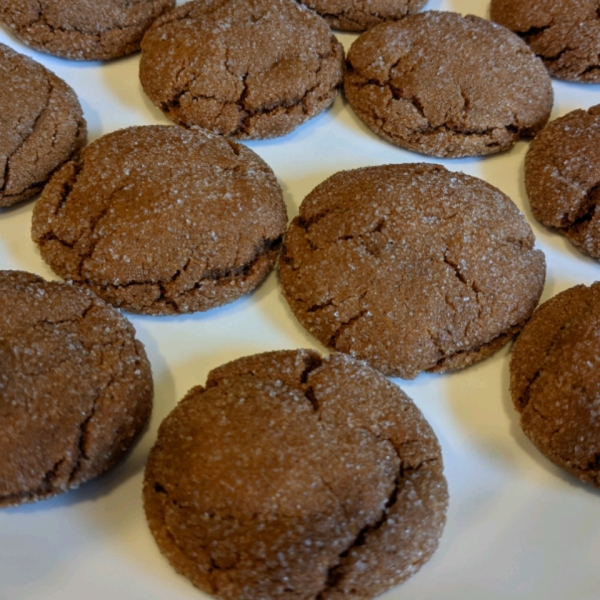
{"x": 46, "y": 487}
{"x": 585, "y": 212}
{"x": 27, "y": 136}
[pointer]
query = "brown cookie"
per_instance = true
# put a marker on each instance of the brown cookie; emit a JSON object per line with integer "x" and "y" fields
{"x": 562, "y": 177}
{"x": 82, "y": 29}
{"x": 242, "y": 69}
{"x": 445, "y": 85}
{"x": 75, "y": 387}
{"x": 565, "y": 34}
{"x": 411, "y": 267}
{"x": 292, "y": 476}
{"x": 555, "y": 380}
{"x": 160, "y": 220}
{"x": 42, "y": 126}
{"x": 358, "y": 15}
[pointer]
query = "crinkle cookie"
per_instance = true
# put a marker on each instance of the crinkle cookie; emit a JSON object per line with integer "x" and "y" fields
{"x": 75, "y": 387}
{"x": 358, "y": 15}
{"x": 242, "y": 69}
{"x": 160, "y": 220}
{"x": 42, "y": 126}
{"x": 445, "y": 85}
{"x": 555, "y": 380}
{"x": 565, "y": 34}
{"x": 562, "y": 177}
{"x": 411, "y": 267}
{"x": 293, "y": 476}
{"x": 82, "y": 29}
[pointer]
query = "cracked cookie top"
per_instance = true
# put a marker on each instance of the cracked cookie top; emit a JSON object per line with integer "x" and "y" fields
{"x": 242, "y": 68}
{"x": 82, "y": 29}
{"x": 292, "y": 476}
{"x": 445, "y": 85}
{"x": 565, "y": 34}
{"x": 358, "y": 15}
{"x": 160, "y": 220}
{"x": 42, "y": 126}
{"x": 75, "y": 387}
{"x": 562, "y": 177}
{"x": 555, "y": 380}
{"x": 411, "y": 267}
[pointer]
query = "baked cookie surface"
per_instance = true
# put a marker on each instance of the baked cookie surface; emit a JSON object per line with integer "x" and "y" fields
{"x": 293, "y": 476}
{"x": 448, "y": 86}
{"x": 565, "y": 34}
{"x": 358, "y": 15}
{"x": 82, "y": 29}
{"x": 160, "y": 220}
{"x": 242, "y": 69}
{"x": 562, "y": 178}
{"x": 42, "y": 125}
{"x": 411, "y": 267}
{"x": 75, "y": 387}
{"x": 555, "y": 380}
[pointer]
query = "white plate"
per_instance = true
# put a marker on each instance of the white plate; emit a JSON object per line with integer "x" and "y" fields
{"x": 517, "y": 526}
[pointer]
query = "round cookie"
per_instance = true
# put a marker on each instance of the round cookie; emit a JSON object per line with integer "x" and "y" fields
{"x": 358, "y": 15}
{"x": 241, "y": 69}
{"x": 411, "y": 267}
{"x": 292, "y": 476}
{"x": 445, "y": 85}
{"x": 42, "y": 126}
{"x": 75, "y": 387}
{"x": 565, "y": 34}
{"x": 160, "y": 220}
{"x": 555, "y": 380}
{"x": 562, "y": 178}
{"x": 80, "y": 29}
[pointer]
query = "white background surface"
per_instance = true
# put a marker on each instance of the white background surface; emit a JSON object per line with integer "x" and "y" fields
{"x": 517, "y": 526}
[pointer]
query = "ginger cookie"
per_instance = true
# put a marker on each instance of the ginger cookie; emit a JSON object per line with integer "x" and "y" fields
{"x": 358, "y": 15}
{"x": 565, "y": 34}
{"x": 293, "y": 476}
{"x": 82, "y": 29}
{"x": 42, "y": 126}
{"x": 75, "y": 387}
{"x": 555, "y": 380}
{"x": 411, "y": 267}
{"x": 562, "y": 177}
{"x": 160, "y": 220}
{"x": 445, "y": 85}
{"x": 241, "y": 69}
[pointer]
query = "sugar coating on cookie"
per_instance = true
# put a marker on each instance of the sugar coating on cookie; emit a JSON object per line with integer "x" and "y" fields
{"x": 160, "y": 220}
{"x": 411, "y": 267}
{"x": 75, "y": 387}
{"x": 241, "y": 69}
{"x": 445, "y": 85}
{"x": 293, "y": 476}
{"x": 42, "y": 126}
{"x": 565, "y": 34}
{"x": 562, "y": 177}
{"x": 555, "y": 380}
{"x": 82, "y": 29}
{"x": 358, "y": 15}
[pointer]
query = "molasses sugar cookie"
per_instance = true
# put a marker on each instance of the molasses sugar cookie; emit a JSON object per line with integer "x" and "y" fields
{"x": 555, "y": 380}
{"x": 445, "y": 85}
{"x": 75, "y": 387}
{"x": 358, "y": 15}
{"x": 562, "y": 177}
{"x": 42, "y": 125}
{"x": 565, "y": 34}
{"x": 160, "y": 220}
{"x": 292, "y": 476}
{"x": 411, "y": 267}
{"x": 82, "y": 29}
{"x": 242, "y": 69}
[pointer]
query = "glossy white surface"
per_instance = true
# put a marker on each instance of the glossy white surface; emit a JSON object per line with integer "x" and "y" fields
{"x": 517, "y": 526}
